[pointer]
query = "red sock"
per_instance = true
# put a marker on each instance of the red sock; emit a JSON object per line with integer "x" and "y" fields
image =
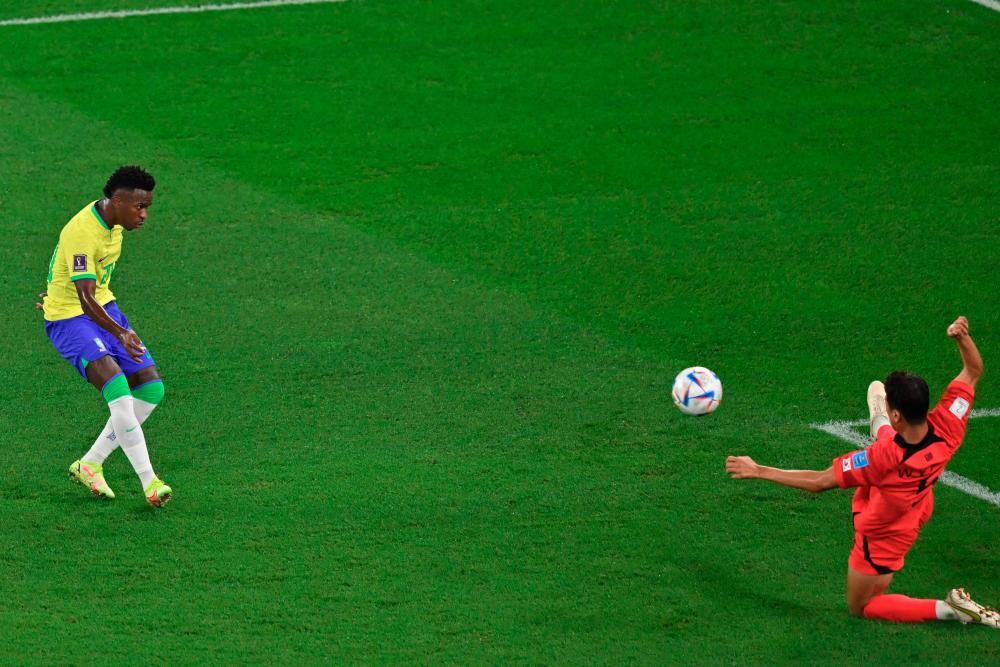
{"x": 901, "y": 609}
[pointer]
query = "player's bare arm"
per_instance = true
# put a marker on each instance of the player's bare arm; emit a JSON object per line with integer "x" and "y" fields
{"x": 814, "y": 481}
{"x": 972, "y": 361}
{"x": 85, "y": 289}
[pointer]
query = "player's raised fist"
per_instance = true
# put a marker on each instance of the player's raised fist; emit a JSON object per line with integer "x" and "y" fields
{"x": 959, "y": 328}
{"x": 741, "y": 467}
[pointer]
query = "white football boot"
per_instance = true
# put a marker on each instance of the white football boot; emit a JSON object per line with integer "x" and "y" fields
{"x": 970, "y": 611}
{"x": 878, "y": 414}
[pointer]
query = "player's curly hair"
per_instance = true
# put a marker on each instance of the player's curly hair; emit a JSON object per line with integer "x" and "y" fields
{"x": 129, "y": 177}
{"x": 909, "y": 394}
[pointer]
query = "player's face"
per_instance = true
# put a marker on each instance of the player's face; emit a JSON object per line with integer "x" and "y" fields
{"x": 133, "y": 207}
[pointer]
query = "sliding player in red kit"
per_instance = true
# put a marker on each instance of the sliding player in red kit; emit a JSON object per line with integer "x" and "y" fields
{"x": 894, "y": 480}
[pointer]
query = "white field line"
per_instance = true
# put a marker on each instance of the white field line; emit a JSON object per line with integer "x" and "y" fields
{"x": 990, "y": 4}
{"x": 976, "y": 412}
{"x": 845, "y": 431}
{"x": 195, "y": 9}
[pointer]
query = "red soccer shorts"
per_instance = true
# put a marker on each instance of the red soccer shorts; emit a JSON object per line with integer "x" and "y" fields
{"x": 882, "y": 555}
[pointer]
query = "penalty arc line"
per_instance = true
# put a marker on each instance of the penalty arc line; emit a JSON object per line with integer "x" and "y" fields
{"x": 844, "y": 431}
{"x": 153, "y": 11}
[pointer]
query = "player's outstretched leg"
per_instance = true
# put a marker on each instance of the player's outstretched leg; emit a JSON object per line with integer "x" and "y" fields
{"x": 958, "y": 606}
{"x": 866, "y": 598}
{"x": 878, "y": 415}
{"x": 133, "y": 442}
{"x": 969, "y": 611}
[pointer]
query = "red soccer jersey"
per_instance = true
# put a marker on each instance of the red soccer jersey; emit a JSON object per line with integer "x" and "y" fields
{"x": 899, "y": 476}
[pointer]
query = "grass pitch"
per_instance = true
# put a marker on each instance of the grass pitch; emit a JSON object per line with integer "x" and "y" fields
{"x": 418, "y": 277}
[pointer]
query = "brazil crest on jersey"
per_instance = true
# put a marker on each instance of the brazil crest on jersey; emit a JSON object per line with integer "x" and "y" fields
{"x": 87, "y": 248}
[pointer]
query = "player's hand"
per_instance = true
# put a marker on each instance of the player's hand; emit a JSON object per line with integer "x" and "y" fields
{"x": 132, "y": 345}
{"x": 741, "y": 467}
{"x": 959, "y": 328}
{"x": 41, "y": 298}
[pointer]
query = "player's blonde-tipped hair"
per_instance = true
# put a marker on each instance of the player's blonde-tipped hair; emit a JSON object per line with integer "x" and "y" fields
{"x": 129, "y": 177}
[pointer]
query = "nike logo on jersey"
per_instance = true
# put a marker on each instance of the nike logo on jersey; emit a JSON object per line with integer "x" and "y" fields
{"x": 129, "y": 430}
{"x": 102, "y": 259}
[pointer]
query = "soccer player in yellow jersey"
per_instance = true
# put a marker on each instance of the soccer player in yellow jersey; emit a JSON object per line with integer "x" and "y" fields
{"x": 86, "y": 327}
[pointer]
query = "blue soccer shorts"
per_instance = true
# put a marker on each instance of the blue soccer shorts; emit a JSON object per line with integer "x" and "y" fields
{"x": 80, "y": 341}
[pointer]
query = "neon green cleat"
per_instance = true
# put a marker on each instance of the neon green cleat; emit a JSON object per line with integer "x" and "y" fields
{"x": 158, "y": 494}
{"x": 91, "y": 475}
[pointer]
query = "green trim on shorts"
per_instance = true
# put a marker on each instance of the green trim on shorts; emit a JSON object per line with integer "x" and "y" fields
{"x": 116, "y": 388}
{"x": 151, "y": 392}
{"x": 92, "y": 276}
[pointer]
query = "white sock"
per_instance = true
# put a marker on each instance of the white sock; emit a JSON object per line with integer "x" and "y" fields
{"x": 107, "y": 441}
{"x": 131, "y": 438}
{"x": 945, "y": 612}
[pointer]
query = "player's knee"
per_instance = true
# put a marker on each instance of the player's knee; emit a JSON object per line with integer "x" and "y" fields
{"x": 857, "y": 610}
{"x": 116, "y": 388}
{"x": 150, "y": 392}
{"x": 857, "y": 604}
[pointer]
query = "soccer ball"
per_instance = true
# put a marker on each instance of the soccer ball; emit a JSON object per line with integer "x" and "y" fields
{"x": 697, "y": 391}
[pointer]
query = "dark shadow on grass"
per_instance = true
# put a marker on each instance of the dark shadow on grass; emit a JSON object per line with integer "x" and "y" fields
{"x": 145, "y": 511}
{"x": 76, "y": 498}
{"x": 760, "y": 592}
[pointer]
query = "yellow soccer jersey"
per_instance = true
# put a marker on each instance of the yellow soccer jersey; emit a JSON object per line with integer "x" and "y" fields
{"x": 87, "y": 248}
